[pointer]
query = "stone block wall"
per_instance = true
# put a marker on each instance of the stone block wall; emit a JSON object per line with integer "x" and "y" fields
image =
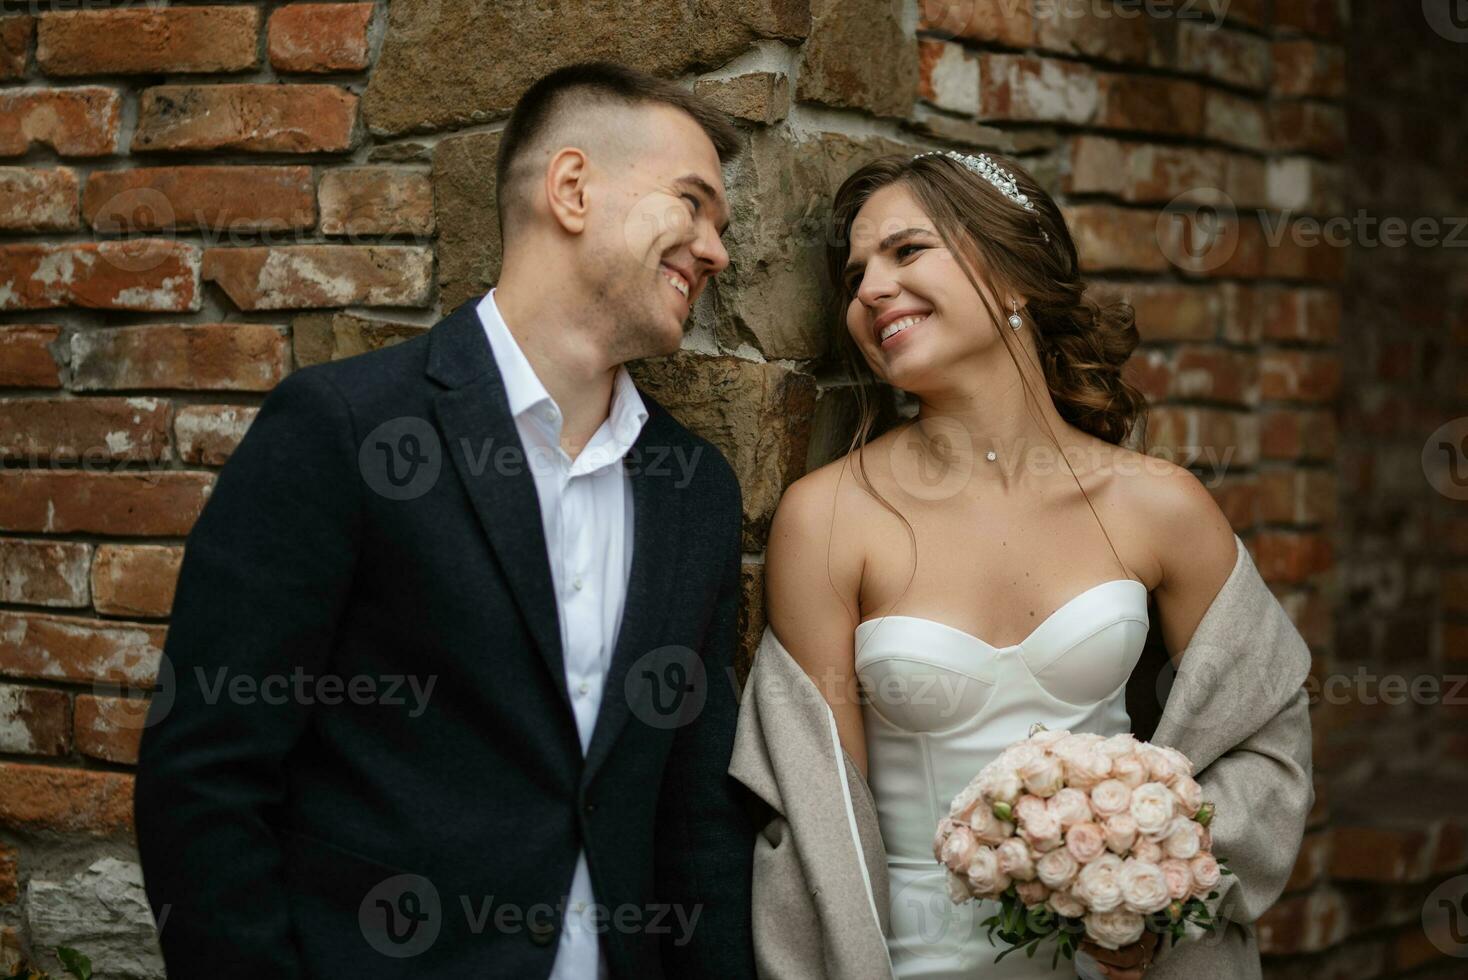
{"x": 197, "y": 200}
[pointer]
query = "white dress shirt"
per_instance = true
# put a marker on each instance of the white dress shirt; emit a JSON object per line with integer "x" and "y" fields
{"x": 586, "y": 512}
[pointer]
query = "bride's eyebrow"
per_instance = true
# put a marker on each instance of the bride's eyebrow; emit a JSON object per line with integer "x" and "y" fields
{"x": 891, "y": 240}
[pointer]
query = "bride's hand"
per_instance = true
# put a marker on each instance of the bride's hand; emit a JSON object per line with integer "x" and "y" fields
{"x": 1126, "y": 963}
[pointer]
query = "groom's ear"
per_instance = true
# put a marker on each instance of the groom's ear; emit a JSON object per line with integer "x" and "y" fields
{"x": 565, "y": 185}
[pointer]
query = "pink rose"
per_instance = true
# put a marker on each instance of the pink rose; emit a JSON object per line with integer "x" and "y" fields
{"x": 984, "y": 877}
{"x": 1043, "y": 776}
{"x": 1121, "y": 832}
{"x": 958, "y": 890}
{"x": 959, "y": 849}
{"x": 1014, "y": 859}
{"x": 1179, "y": 875}
{"x": 945, "y": 827}
{"x": 1130, "y": 769}
{"x": 1057, "y": 868}
{"x": 1043, "y": 832}
{"x": 1206, "y": 874}
{"x": 1124, "y": 743}
{"x": 1087, "y": 769}
{"x": 1085, "y": 841}
{"x": 1110, "y": 797}
{"x": 1031, "y": 893}
{"x": 1029, "y": 807}
{"x": 1152, "y": 807}
{"x": 1001, "y": 786}
{"x": 1182, "y": 840}
{"x": 1146, "y": 850}
{"x": 1098, "y": 885}
{"x": 1189, "y": 794}
{"x": 1114, "y": 929}
{"x": 1066, "y": 904}
{"x": 1071, "y": 806}
{"x": 1047, "y": 738}
{"x": 1143, "y": 887}
{"x": 987, "y": 828}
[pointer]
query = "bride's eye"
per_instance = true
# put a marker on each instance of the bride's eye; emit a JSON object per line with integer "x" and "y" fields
{"x": 902, "y": 249}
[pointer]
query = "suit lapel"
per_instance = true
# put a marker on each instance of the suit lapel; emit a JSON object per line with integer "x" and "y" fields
{"x": 657, "y": 506}
{"x": 474, "y": 417}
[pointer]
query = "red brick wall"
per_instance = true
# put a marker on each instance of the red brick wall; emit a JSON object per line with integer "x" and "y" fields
{"x": 195, "y": 201}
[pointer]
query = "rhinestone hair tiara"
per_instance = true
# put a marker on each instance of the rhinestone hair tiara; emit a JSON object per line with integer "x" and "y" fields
{"x": 986, "y": 168}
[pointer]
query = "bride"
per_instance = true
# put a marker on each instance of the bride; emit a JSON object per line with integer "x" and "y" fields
{"x": 986, "y": 563}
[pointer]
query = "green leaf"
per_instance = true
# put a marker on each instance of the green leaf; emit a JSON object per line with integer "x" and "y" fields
{"x": 75, "y": 962}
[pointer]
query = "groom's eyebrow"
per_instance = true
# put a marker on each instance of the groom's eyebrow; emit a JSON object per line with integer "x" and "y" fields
{"x": 706, "y": 190}
{"x": 889, "y": 242}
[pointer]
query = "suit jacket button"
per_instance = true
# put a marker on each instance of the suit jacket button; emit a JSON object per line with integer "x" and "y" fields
{"x": 590, "y": 807}
{"x": 541, "y": 933}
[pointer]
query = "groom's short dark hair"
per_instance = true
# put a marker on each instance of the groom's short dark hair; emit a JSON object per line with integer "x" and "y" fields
{"x": 595, "y": 80}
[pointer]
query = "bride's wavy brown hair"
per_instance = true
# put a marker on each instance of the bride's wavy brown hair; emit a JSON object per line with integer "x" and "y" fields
{"x": 1081, "y": 343}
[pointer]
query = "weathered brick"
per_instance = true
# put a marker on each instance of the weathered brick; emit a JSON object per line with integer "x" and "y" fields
{"x": 135, "y": 579}
{"x": 1150, "y": 370}
{"x": 35, "y": 199}
{"x": 1236, "y": 119}
{"x": 1304, "y": 248}
{"x": 1210, "y": 241}
{"x": 92, "y": 430}
{"x": 1237, "y": 496}
{"x": 1296, "y": 434}
{"x": 759, "y": 96}
{"x": 1096, "y": 31}
{"x": 1305, "y": 184}
{"x": 1112, "y": 238}
{"x": 319, "y": 37}
{"x": 1304, "y": 923}
{"x": 308, "y": 276}
{"x": 948, "y": 76}
{"x": 1297, "y": 496}
{"x": 1245, "y": 180}
{"x": 75, "y": 122}
{"x": 1297, "y": 375}
{"x": 1291, "y": 556}
{"x": 1308, "y": 315}
{"x": 1307, "y": 68}
{"x": 41, "y": 572}
{"x": 1234, "y": 57}
{"x": 1165, "y": 311}
{"x": 197, "y": 357}
{"x": 1307, "y": 127}
{"x": 56, "y": 501}
{"x": 76, "y": 648}
{"x": 34, "y": 720}
{"x": 1149, "y": 103}
{"x": 1307, "y": 16}
{"x": 109, "y": 728}
{"x": 1024, "y": 88}
{"x": 1139, "y": 172}
{"x": 148, "y": 40}
{"x": 1216, "y": 374}
{"x": 26, "y": 360}
{"x": 144, "y": 274}
{"x": 186, "y": 198}
{"x": 1011, "y": 24}
{"x": 1192, "y": 435}
{"x": 251, "y": 118}
{"x": 50, "y": 798}
{"x": 759, "y": 416}
{"x": 15, "y": 43}
{"x": 321, "y": 337}
{"x": 376, "y": 201}
{"x": 206, "y": 435}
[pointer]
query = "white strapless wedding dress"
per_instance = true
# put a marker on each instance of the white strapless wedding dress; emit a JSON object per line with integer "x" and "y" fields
{"x": 940, "y": 705}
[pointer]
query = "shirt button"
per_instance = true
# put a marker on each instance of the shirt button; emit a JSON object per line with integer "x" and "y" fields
{"x": 577, "y": 584}
{"x": 580, "y": 906}
{"x": 582, "y": 688}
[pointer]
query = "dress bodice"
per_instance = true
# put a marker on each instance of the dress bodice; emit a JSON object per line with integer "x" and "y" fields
{"x": 941, "y": 703}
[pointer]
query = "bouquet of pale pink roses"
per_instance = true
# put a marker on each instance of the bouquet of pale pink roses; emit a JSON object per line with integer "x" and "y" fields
{"x": 1082, "y": 835}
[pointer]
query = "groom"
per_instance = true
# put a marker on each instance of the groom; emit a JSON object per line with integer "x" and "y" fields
{"x": 447, "y": 689}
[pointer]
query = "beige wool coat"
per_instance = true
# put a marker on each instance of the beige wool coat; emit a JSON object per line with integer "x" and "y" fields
{"x": 1237, "y": 708}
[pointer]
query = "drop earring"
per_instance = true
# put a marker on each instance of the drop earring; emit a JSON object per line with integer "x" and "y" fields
{"x": 1014, "y": 318}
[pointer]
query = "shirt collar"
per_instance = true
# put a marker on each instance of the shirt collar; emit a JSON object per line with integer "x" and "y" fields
{"x": 524, "y": 390}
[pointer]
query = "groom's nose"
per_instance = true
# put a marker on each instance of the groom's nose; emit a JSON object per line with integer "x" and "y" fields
{"x": 709, "y": 249}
